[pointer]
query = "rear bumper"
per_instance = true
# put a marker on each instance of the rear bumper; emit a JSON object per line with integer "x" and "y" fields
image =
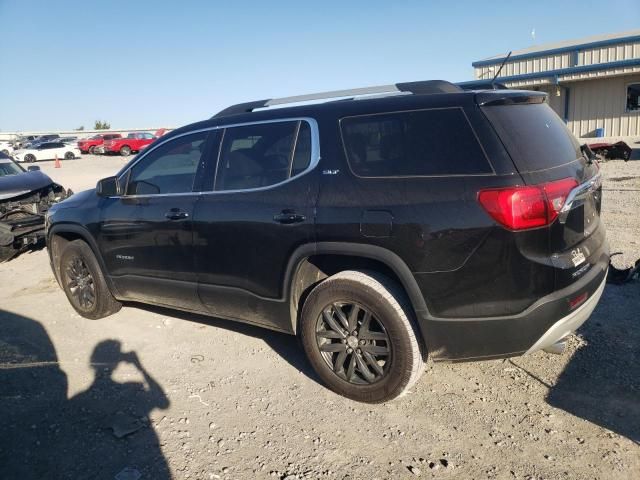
{"x": 541, "y": 325}
{"x": 570, "y": 323}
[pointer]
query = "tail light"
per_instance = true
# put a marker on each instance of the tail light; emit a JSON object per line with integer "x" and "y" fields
{"x": 524, "y": 207}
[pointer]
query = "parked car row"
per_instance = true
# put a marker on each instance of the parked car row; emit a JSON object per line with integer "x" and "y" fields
{"x": 48, "y": 147}
{"x": 115, "y": 143}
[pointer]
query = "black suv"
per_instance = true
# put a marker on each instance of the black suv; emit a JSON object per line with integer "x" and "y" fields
{"x": 403, "y": 221}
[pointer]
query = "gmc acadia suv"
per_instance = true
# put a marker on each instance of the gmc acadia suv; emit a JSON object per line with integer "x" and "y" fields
{"x": 403, "y": 221}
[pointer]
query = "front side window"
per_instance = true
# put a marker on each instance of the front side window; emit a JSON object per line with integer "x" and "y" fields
{"x": 170, "y": 168}
{"x": 633, "y": 97}
{"x": 260, "y": 155}
{"x": 413, "y": 143}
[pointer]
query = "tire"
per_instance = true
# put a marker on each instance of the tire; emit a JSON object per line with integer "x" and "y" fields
{"x": 29, "y": 158}
{"x": 5, "y": 151}
{"x": 69, "y": 156}
{"x": 125, "y": 151}
{"x": 79, "y": 269}
{"x": 91, "y": 150}
{"x": 389, "y": 328}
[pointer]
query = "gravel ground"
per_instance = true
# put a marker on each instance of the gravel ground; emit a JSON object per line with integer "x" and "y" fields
{"x": 162, "y": 394}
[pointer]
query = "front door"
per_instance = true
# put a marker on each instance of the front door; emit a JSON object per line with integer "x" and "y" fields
{"x": 146, "y": 234}
{"x": 260, "y": 209}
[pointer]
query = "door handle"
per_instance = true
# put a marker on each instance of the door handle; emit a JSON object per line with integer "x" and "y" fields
{"x": 287, "y": 217}
{"x": 176, "y": 214}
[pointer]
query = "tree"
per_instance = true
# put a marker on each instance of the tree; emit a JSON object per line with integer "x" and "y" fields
{"x": 80, "y": 128}
{"x": 100, "y": 125}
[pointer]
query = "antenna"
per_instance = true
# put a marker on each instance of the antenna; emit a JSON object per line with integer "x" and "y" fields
{"x": 500, "y": 69}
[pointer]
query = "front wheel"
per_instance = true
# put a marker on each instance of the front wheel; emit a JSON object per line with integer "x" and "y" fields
{"x": 125, "y": 151}
{"x": 357, "y": 332}
{"x": 69, "y": 156}
{"x": 30, "y": 158}
{"x": 84, "y": 283}
{"x": 92, "y": 149}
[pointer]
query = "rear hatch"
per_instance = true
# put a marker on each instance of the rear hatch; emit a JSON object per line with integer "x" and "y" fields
{"x": 548, "y": 156}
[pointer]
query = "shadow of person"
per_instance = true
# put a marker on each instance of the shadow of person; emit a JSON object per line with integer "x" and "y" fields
{"x": 32, "y": 389}
{"x": 601, "y": 383}
{"x": 109, "y": 422}
{"x": 96, "y": 434}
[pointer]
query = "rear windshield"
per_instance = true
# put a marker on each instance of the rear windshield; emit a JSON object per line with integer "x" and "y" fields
{"x": 431, "y": 142}
{"x": 535, "y": 137}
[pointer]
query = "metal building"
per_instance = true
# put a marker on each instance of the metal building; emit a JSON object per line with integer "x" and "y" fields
{"x": 593, "y": 83}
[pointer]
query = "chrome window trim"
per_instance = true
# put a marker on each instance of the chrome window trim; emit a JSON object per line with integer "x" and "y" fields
{"x": 313, "y": 163}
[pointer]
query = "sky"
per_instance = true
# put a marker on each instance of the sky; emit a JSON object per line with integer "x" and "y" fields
{"x": 142, "y": 64}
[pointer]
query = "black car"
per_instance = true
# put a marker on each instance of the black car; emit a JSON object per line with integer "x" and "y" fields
{"x": 391, "y": 224}
{"x": 25, "y": 196}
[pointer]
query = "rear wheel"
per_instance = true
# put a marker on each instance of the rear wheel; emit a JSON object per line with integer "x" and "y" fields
{"x": 92, "y": 149}
{"x": 29, "y": 158}
{"x": 69, "y": 156}
{"x": 357, "y": 334}
{"x": 124, "y": 151}
{"x": 84, "y": 283}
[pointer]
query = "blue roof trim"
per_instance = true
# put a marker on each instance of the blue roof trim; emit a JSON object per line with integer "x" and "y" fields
{"x": 553, "y": 51}
{"x": 633, "y": 62}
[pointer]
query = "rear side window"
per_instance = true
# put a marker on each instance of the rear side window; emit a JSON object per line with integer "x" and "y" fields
{"x": 415, "y": 143}
{"x": 535, "y": 137}
{"x": 260, "y": 155}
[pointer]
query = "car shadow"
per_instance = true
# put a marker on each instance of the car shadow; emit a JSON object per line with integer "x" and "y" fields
{"x": 601, "y": 383}
{"x": 285, "y": 345}
{"x": 102, "y": 432}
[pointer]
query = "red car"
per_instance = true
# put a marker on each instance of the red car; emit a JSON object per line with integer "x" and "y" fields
{"x": 88, "y": 145}
{"x": 133, "y": 142}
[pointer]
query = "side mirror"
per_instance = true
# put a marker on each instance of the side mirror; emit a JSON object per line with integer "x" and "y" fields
{"x": 33, "y": 168}
{"x": 108, "y": 187}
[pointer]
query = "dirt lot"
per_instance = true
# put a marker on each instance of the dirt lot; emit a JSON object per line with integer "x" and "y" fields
{"x": 170, "y": 395}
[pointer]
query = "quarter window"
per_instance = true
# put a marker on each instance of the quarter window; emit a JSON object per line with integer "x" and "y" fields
{"x": 633, "y": 97}
{"x": 260, "y": 155}
{"x": 414, "y": 143}
{"x": 170, "y": 168}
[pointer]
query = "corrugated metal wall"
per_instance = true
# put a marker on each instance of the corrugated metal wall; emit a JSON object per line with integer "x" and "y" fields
{"x": 602, "y": 104}
{"x": 592, "y": 56}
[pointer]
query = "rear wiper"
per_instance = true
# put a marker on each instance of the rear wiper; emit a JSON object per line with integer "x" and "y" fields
{"x": 588, "y": 153}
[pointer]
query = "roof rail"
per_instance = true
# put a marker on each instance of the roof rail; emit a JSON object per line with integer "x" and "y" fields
{"x": 416, "y": 88}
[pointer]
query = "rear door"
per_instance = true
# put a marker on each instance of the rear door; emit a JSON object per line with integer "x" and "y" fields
{"x": 544, "y": 151}
{"x": 259, "y": 210}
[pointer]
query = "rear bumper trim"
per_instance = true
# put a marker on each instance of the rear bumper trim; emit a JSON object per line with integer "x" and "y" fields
{"x": 570, "y": 323}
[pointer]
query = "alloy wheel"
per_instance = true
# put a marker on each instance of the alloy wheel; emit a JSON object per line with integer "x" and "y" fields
{"x": 80, "y": 283}
{"x": 353, "y": 343}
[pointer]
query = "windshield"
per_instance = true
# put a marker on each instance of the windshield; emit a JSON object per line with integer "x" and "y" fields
{"x": 535, "y": 137}
{"x": 7, "y": 167}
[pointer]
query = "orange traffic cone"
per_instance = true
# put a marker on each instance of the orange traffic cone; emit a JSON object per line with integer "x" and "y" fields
{"x": 57, "y": 164}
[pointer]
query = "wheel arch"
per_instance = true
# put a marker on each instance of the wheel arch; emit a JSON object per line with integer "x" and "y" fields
{"x": 60, "y": 235}
{"x": 312, "y": 263}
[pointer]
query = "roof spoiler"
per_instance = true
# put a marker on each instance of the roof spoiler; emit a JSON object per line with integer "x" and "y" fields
{"x": 417, "y": 88}
{"x": 482, "y": 85}
{"x": 509, "y": 97}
